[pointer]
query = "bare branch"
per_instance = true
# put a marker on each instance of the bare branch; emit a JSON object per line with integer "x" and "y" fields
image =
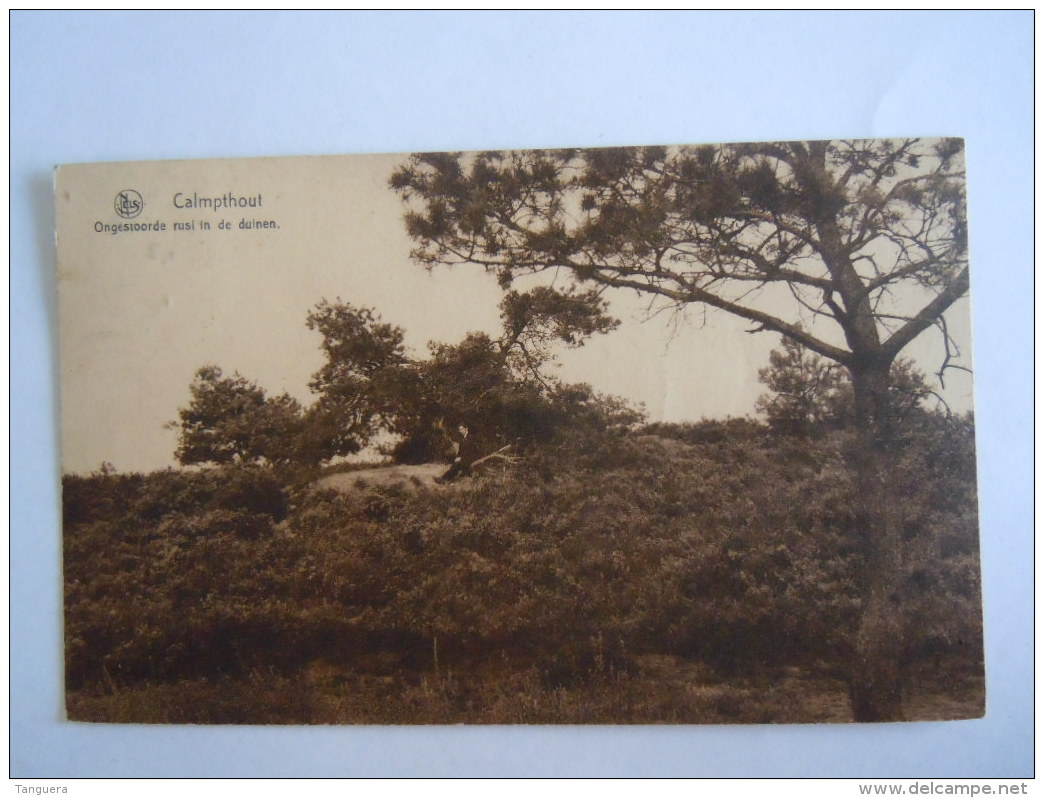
{"x": 768, "y": 321}
{"x": 928, "y": 315}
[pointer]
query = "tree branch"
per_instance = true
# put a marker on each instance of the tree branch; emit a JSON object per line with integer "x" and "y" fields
{"x": 766, "y": 320}
{"x": 928, "y": 315}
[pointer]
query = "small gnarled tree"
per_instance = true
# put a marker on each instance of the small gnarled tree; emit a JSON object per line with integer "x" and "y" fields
{"x": 233, "y": 420}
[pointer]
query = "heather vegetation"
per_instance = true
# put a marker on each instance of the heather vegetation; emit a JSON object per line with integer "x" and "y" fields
{"x": 668, "y": 573}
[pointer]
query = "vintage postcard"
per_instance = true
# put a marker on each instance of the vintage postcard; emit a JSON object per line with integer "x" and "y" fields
{"x": 665, "y": 434}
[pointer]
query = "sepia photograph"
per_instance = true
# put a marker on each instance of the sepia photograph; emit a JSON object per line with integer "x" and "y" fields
{"x": 674, "y": 434}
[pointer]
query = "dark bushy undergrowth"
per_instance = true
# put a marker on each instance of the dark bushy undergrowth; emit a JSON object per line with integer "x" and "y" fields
{"x": 714, "y": 545}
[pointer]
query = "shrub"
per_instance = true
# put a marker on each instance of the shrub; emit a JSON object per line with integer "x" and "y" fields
{"x": 739, "y": 551}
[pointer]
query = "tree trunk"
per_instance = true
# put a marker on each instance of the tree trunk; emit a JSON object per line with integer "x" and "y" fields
{"x": 876, "y": 673}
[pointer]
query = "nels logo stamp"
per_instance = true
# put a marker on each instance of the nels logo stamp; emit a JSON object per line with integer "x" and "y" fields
{"x": 128, "y": 203}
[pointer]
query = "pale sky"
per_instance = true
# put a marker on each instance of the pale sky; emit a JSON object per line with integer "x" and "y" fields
{"x": 141, "y": 311}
